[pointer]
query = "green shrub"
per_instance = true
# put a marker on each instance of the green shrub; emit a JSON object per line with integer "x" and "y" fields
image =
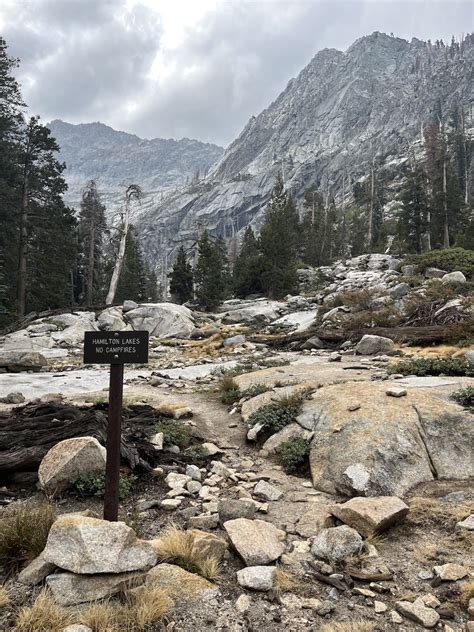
{"x": 465, "y": 397}
{"x": 275, "y": 416}
{"x": 450, "y": 260}
{"x": 229, "y": 390}
{"x": 94, "y": 484}
{"x": 256, "y": 389}
{"x": 197, "y": 454}
{"x": 23, "y": 534}
{"x": 433, "y": 366}
{"x": 294, "y": 454}
{"x": 174, "y": 433}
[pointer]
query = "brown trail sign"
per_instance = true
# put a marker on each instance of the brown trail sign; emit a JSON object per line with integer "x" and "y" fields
{"x": 114, "y": 348}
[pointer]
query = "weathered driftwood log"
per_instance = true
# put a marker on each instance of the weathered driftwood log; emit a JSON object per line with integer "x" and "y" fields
{"x": 433, "y": 333}
{"x": 28, "y": 432}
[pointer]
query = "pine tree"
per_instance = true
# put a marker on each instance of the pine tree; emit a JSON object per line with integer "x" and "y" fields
{"x": 92, "y": 229}
{"x": 413, "y": 218}
{"x": 11, "y": 120}
{"x": 313, "y": 228}
{"x": 279, "y": 244}
{"x": 247, "y": 273}
{"x": 181, "y": 278}
{"x": 46, "y": 225}
{"x": 210, "y": 273}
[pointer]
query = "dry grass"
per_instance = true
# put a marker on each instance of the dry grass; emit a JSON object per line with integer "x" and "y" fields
{"x": 425, "y": 512}
{"x": 358, "y": 625}
{"x": 176, "y": 411}
{"x": 284, "y": 581}
{"x": 177, "y": 547}
{"x": 4, "y": 597}
{"x": 466, "y": 592}
{"x": 101, "y": 616}
{"x": 44, "y": 614}
{"x": 426, "y": 551}
{"x": 23, "y": 534}
{"x": 144, "y": 606}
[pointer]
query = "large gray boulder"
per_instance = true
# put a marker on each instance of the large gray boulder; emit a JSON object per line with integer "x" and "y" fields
{"x": 163, "y": 320}
{"x": 388, "y": 445}
{"x": 373, "y": 345}
{"x": 248, "y": 311}
{"x": 112, "y": 319}
{"x": 17, "y": 361}
{"x": 75, "y": 325}
{"x": 69, "y": 459}
{"x": 288, "y": 433}
{"x": 336, "y": 544}
{"x": 182, "y": 586}
{"x": 453, "y": 277}
{"x": 85, "y": 545}
{"x": 257, "y": 542}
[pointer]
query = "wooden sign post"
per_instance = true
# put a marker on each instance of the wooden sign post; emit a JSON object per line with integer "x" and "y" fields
{"x": 114, "y": 348}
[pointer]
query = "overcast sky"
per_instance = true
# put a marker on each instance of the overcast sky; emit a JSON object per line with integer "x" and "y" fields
{"x": 196, "y": 68}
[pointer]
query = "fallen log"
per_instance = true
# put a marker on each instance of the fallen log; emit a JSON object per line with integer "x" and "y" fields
{"x": 28, "y": 432}
{"x": 423, "y": 335}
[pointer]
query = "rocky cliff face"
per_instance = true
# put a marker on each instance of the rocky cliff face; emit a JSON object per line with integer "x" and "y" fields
{"x": 343, "y": 112}
{"x": 114, "y": 159}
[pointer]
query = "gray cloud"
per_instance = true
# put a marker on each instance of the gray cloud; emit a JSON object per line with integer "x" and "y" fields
{"x": 85, "y": 60}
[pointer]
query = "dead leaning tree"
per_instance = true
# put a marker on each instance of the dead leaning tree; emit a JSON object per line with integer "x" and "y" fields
{"x": 133, "y": 192}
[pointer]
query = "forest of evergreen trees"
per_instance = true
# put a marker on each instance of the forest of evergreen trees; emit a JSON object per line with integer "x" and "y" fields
{"x": 53, "y": 257}
{"x": 50, "y": 256}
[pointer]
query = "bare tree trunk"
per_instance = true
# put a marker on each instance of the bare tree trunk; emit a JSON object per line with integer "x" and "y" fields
{"x": 132, "y": 192}
{"x": 90, "y": 267}
{"x": 445, "y": 206}
{"x": 371, "y": 207}
{"x": 22, "y": 248}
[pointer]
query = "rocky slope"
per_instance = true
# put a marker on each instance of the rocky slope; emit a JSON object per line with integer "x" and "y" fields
{"x": 341, "y": 113}
{"x": 114, "y": 159}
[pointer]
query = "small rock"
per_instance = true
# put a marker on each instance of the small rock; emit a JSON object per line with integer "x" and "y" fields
{"x": 431, "y": 601}
{"x": 425, "y": 575}
{"x": 177, "y": 481}
{"x": 336, "y": 543}
{"x": 325, "y": 608}
{"x": 257, "y": 577}
{"x": 453, "y": 277}
{"x": 211, "y": 449}
{"x": 434, "y": 273}
{"x": 418, "y": 612}
{"x": 193, "y": 487}
{"x": 371, "y": 515}
{"x": 257, "y": 542}
{"x": 208, "y": 544}
{"x": 194, "y": 472}
{"x": 365, "y": 592}
{"x": 243, "y": 603}
{"x": 232, "y": 509}
{"x": 157, "y": 440}
{"x": 380, "y": 607}
{"x": 170, "y": 503}
{"x": 468, "y": 523}
{"x": 77, "y": 627}
{"x": 36, "y": 571}
{"x": 267, "y": 491}
{"x": 396, "y": 391}
{"x": 353, "y": 408}
{"x": 395, "y": 617}
{"x": 13, "y": 398}
{"x": 470, "y": 608}
{"x": 450, "y": 572}
{"x": 234, "y": 340}
{"x": 204, "y": 521}
{"x": 372, "y": 345}
{"x": 335, "y": 357}
{"x": 158, "y": 472}
{"x": 182, "y": 586}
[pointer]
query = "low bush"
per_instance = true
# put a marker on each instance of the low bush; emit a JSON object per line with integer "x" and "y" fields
{"x": 256, "y": 389}
{"x": 174, "y": 433}
{"x": 450, "y": 260}
{"x": 433, "y": 366}
{"x": 4, "y": 597}
{"x": 197, "y": 455}
{"x": 94, "y": 484}
{"x": 23, "y": 535}
{"x": 275, "y": 416}
{"x": 294, "y": 455}
{"x": 465, "y": 397}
